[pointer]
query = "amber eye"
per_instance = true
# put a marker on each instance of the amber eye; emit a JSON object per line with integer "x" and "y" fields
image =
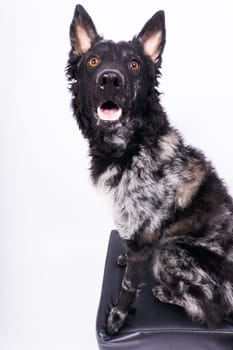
{"x": 93, "y": 62}
{"x": 134, "y": 66}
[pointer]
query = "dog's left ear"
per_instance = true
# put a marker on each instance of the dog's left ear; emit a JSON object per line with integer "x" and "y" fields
{"x": 153, "y": 36}
{"x": 82, "y": 31}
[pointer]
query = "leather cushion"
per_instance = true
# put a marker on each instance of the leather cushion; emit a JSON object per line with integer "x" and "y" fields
{"x": 155, "y": 325}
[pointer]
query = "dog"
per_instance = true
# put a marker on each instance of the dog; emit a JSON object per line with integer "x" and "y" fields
{"x": 171, "y": 209}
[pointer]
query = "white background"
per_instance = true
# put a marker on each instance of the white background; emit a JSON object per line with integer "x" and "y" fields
{"x": 54, "y": 227}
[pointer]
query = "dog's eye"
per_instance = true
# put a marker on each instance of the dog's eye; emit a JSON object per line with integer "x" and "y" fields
{"x": 134, "y": 66}
{"x": 93, "y": 62}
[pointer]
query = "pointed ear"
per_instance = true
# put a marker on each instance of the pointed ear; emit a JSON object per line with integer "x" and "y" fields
{"x": 82, "y": 31}
{"x": 153, "y": 36}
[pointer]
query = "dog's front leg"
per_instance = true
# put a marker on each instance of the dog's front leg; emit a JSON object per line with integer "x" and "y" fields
{"x": 137, "y": 262}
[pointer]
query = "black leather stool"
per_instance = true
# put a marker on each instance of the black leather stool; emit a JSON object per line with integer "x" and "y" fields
{"x": 154, "y": 326}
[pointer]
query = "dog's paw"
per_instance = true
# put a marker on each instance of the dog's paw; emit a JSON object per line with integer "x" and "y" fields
{"x": 116, "y": 320}
{"x": 164, "y": 295}
{"x": 122, "y": 260}
{"x": 161, "y": 293}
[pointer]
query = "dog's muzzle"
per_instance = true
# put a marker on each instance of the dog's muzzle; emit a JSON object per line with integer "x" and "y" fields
{"x": 110, "y": 84}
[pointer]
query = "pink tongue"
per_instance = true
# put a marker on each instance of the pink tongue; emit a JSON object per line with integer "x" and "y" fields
{"x": 109, "y": 114}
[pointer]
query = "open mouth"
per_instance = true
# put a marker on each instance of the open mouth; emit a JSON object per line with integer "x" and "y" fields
{"x": 109, "y": 111}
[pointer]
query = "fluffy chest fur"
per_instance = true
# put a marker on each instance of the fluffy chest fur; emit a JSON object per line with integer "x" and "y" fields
{"x": 148, "y": 192}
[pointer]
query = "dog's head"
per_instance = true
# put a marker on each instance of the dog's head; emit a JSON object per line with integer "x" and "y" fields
{"x": 114, "y": 84}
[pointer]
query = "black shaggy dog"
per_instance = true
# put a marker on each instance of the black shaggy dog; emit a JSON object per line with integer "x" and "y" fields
{"x": 170, "y": 207}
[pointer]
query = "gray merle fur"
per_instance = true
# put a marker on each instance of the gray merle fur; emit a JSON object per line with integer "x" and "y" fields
{"x": 170, "y": 207}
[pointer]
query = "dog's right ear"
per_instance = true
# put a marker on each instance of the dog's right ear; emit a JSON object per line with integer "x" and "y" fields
{"x": 82, "y": 31}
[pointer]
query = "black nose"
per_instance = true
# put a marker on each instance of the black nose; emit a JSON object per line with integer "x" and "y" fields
{"x": 110, "y": 79}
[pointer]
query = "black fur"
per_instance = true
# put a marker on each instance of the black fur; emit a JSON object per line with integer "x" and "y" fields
{"x": 169, "y": 205}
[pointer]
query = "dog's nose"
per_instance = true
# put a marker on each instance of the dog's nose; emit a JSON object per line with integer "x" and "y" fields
{"x": 110, "y": 79}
